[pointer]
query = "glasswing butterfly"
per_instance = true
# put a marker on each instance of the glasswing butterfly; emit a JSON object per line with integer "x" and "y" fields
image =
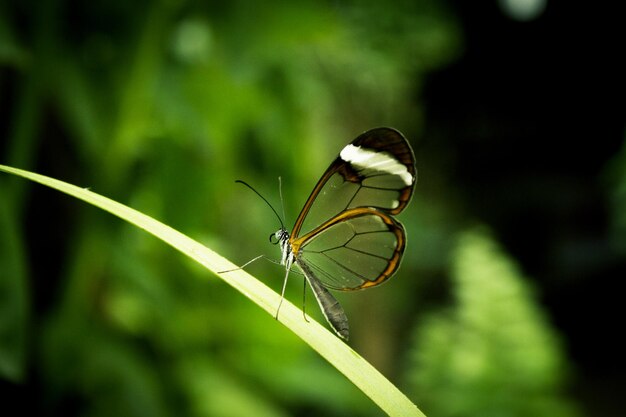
{"x": 346, "y": 237}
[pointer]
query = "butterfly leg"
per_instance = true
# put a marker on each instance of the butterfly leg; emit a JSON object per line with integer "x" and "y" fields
{"x": 282, "y": 296}
{"x": 248, "y": 263}
{"x": 304, "y": 301}
{"x": 282, "y": 293}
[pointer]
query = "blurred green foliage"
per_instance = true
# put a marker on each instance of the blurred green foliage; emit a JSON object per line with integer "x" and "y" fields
{"x": 493, "y": 353}
{"x": 162, "y": 105}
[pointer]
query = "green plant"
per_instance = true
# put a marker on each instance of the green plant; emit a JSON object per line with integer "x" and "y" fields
{"x": 337, "y": 353}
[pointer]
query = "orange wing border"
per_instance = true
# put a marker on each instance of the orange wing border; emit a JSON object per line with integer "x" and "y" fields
{"x": 394, "y": 227}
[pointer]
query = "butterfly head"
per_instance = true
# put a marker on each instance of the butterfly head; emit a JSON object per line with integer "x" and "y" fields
{"x": 281, "y": 236}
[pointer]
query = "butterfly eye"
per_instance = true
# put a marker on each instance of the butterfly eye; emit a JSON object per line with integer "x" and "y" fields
{"x": 278, "y": 236}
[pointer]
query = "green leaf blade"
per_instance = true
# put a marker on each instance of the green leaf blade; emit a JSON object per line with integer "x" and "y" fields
{"x": 337, "y": 353}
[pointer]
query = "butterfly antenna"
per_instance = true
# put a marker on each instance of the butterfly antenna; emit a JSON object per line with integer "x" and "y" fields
{"x": 280, "y": 193}
{"x": 282, "y": 225}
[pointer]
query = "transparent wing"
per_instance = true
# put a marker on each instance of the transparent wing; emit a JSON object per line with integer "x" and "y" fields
{"x": 358, "y": 249}
{"x": 376, "y": 170}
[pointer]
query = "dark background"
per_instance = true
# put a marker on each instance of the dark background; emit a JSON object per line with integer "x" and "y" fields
{"x": 533, "y": 114}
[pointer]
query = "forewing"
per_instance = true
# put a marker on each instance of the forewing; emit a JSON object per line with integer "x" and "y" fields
{"x": 358, "y": 249}
{"x": 376, "y": 170}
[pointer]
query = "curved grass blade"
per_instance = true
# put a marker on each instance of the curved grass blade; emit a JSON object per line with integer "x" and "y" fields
{"x": 337, "y": 353}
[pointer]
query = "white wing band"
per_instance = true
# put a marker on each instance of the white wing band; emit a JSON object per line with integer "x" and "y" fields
{"x": 377, "y": 161}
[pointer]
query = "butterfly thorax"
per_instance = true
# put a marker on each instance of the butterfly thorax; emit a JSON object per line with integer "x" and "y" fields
{"x": 282, "y": 238}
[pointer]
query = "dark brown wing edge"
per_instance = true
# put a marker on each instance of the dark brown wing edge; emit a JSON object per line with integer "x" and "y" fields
{"x": 382, "y": 139}
{"x": 389, "y": 140}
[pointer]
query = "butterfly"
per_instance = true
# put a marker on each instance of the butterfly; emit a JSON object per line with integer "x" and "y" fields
{"x": 346, "y": 237}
